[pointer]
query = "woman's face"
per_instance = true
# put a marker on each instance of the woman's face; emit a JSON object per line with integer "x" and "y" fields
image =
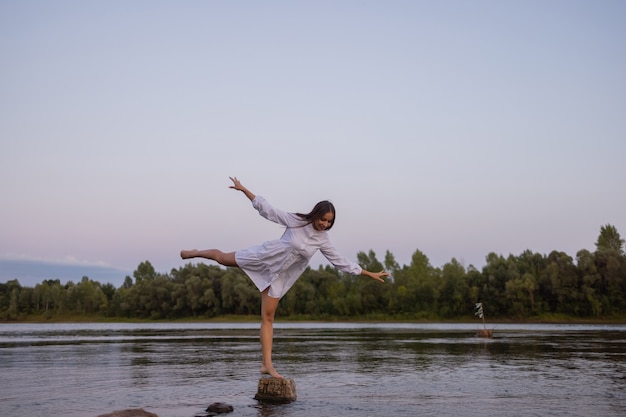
{"x": 323, "y": 222}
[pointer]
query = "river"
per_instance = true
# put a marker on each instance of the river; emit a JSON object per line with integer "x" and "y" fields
{"x": 340, "y": 369}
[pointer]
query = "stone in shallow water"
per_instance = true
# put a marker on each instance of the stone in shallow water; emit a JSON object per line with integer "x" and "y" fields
{"x": 135, "y": 412}
{"x": 276, "y": 390}
{"x": 220, "y": 408}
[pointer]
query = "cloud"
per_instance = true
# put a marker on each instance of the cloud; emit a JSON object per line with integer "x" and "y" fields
{"x": 30, "y": 271}
{"x": 66, "y": 260}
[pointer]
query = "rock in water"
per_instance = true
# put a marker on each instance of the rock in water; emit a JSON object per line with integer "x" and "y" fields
{"x": 136, "y": 412}
{"x": 220, "y": 408}
{"x": 276, "y": 390}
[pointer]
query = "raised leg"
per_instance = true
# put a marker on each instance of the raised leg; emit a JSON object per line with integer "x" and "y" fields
{"x": 226, "y": 259}
{"x": 268, "y": 310}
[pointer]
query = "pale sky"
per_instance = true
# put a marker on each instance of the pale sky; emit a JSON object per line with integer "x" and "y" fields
{"x": 457, "y": 128}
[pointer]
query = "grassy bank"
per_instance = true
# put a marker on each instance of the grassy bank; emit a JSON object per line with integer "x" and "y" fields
{"x": 370, "y": 318}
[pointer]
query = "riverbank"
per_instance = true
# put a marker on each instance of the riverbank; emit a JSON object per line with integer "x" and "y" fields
{"x": 374, "y": 318}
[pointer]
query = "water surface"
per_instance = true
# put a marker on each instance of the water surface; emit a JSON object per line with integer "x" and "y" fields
{"x": 340, "y": 369}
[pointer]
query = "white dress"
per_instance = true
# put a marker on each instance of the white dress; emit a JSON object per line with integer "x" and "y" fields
{"x": 277, "y": 264}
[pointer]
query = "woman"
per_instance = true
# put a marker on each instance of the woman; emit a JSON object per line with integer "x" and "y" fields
{"x": 274, "y": 266}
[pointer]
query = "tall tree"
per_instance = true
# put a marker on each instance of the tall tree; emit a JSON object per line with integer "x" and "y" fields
{"x": 145, "y": 271}
{"x": 374, "y": 295}
{"x": 496, "y": 273}
{"x": 453, "y": 290}
{"x": 416, "y": 285}
{"x": 390, "y": 264}
{"x": 561, "y": 277}
{"x": 610, "y": 240}
{"x": 591, "y": 284}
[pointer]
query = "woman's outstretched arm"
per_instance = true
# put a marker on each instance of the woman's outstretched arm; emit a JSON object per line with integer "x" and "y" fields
{"x": 239, "y": 186}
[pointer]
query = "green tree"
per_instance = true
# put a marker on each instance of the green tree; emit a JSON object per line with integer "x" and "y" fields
{"x": 612, "y": 284}
{"x": 195, "y": 292}
{"x": 374, "y": 295}
{"x": 590, "y": 281}
{"x": 108, "y": 290}
{"x": 128, "y": 282}
{"x": 453, "y": 290}
{"x": 610, "y": 240}
{"x": 302, "y": 297}
{"x": 145, "y": 271}
{"x": 420, "y": 280}
{"x": 391, "y": 265}
{"x": 497, "y": 272}
{"x": 560, "y": 283}
{"x": 211, "y": 302}
{"x": 529, "y": 266}
{"x": 519, "y": 292}
{"x": 10, "y": 300}
{"x": 48, "y": 297}
{"x": 239, "y": 295}
{"x": 14, "y": 304}
{"x": 315, "y": 293}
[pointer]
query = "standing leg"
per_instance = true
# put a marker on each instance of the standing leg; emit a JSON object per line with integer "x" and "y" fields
{"x": 268, "y": 310}
{"x": 226, "y": 259}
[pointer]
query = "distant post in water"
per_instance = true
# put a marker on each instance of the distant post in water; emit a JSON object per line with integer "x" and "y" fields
{"x": 484, "y": 332}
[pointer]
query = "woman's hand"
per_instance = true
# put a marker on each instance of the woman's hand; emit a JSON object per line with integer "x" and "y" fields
{"x": 378, "y": 276}
{"x": 236, "y": 184}
{"x": 239, "y": 187}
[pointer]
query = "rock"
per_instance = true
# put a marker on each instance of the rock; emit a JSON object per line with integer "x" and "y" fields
{"x": 276, "y": 390}
{"x": 220, "y": 408}
{"x": 136, "y": 412}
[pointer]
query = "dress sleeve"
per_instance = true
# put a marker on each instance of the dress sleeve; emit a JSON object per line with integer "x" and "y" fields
{"x": 274, "y": 214}
{"x": 339, "y": 261}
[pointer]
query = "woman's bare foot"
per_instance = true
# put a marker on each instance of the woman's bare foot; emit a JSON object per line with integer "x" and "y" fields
{"x": 186, "y": 254}
{"x": 269, "y": 370}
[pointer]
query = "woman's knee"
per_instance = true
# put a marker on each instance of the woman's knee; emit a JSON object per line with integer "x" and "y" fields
{"x": 268, "y": 312}
{"x": 268, "y": 307}
{"x": 268, "y": 316}
{"x": 226, "y": 259}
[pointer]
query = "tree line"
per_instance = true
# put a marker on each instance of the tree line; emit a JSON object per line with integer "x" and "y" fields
{"x": 519, "y": 287}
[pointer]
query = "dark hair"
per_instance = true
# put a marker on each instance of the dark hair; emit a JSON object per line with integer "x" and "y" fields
{"x": 319, "y": 211}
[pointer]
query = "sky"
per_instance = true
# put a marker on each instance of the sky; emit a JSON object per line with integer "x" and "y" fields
{"x": 456, "y": 128}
